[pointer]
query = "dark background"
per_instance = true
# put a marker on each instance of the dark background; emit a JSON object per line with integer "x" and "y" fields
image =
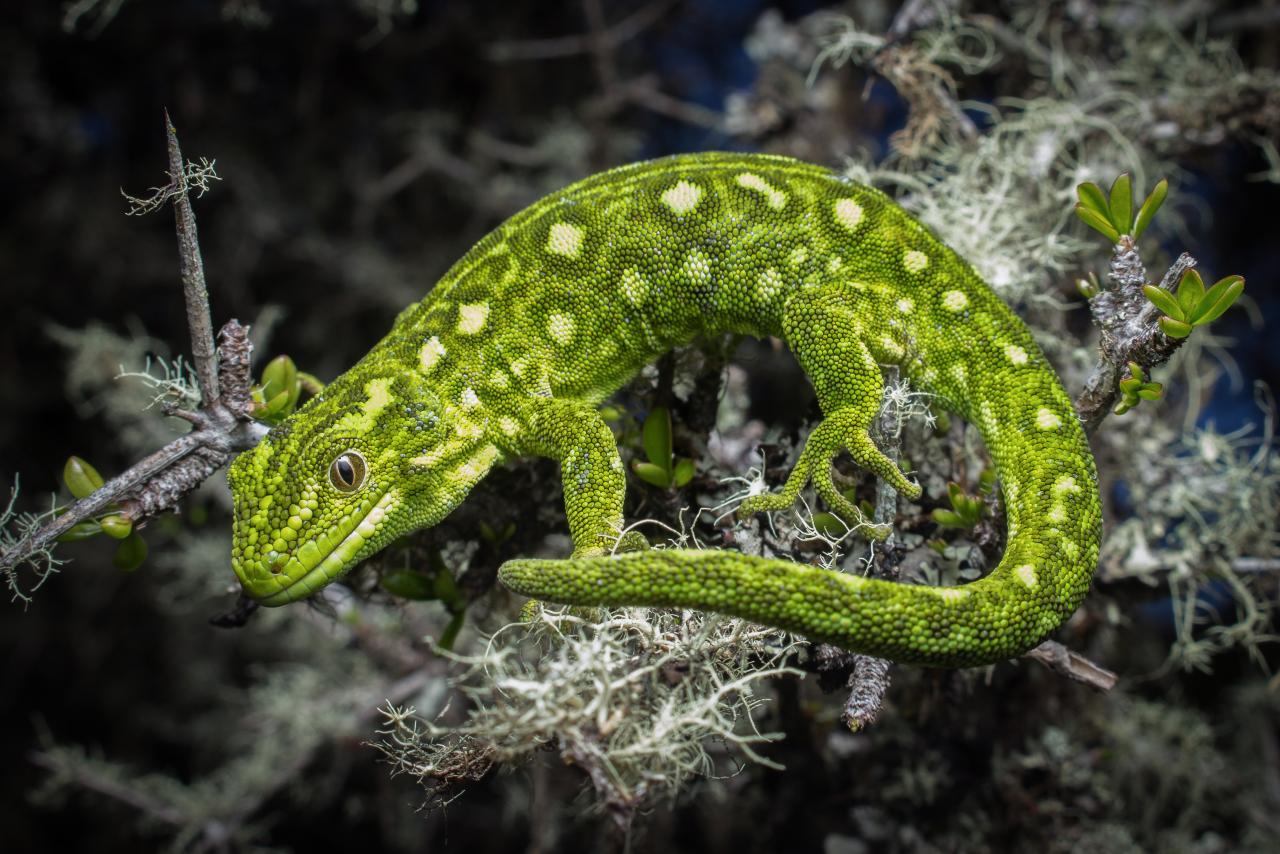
{"x": 357, "y": 165}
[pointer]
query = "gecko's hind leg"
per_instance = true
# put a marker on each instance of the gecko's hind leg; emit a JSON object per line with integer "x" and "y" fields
{"x": 823, "y": 330}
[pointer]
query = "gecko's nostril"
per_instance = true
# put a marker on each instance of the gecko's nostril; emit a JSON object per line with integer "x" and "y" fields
{"x": 277, "y": 565}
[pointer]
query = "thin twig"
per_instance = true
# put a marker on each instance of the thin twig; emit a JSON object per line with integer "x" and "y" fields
{"x": 194, "y": 291}
{"x": 1073, "y": 665}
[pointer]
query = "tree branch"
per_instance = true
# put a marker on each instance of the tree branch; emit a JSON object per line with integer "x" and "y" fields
{"x": 1129, "y": 327}
{"x": 222, "y": 423}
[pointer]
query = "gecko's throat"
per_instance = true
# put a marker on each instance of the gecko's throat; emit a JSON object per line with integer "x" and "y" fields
{"x": 278, "y": 578}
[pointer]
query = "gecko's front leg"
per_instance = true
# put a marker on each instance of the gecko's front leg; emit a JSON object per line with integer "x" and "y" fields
{"x": 574, "y": 434}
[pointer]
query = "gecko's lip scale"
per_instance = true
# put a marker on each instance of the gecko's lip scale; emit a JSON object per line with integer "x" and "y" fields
{"x": 317, "y": 566}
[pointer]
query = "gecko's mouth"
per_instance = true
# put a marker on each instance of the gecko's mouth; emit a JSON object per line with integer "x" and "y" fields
{"x": 315, "y": 563}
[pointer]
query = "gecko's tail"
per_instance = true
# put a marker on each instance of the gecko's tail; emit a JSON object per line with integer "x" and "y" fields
{"x": 1054, "y": 518}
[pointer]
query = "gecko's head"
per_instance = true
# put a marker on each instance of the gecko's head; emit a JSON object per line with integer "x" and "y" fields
{"x": 358, "y": 466}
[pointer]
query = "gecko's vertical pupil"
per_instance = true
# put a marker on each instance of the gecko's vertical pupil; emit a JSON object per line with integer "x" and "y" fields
{"x": 347, "y": 471}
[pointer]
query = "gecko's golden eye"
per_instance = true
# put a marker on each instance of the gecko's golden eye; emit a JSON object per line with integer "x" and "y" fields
{"x": 348, "y": 471}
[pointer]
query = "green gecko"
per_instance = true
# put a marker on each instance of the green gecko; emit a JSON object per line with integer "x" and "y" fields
{"x": 521, "y": 340}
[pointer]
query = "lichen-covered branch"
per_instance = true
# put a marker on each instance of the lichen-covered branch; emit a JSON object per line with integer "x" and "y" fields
{"x": 222, "y": 422}
{"x": 1128, "y": 328}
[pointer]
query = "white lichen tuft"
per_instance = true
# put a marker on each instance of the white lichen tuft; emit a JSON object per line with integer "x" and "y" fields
{"x": 642, "y": 700}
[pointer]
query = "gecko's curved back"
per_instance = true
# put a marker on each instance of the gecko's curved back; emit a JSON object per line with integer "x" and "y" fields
{"x": 915, "y": 303}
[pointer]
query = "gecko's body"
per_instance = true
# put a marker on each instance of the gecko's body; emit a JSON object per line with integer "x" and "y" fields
{"x": 512, "y": 351}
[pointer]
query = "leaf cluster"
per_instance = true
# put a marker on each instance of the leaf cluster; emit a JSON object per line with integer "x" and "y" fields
{"x": 1193, "y": 305}
{"x": 82, "y": 480}
{"x": 662, "y": 469}
{"x": 965, "y": 510}
{"x": 1135, "y": 388}
{"x": 1111, "y": 214}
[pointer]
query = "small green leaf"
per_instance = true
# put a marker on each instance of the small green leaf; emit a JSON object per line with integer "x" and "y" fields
{"x": 117, "y": 527}
{"x": 130, "y": 554}
{"x": 1098, "y": 223}
{"x": 1121, "y": 203}
{"x": 1087, "y": 289}
{"x": 1130, "y": 384}
{"x": 1150, "y": 393}
{"x": 955, "y": 493}
{"x": 611, "y": 413}
{"x": 1216, "y": 300}
{"x": 657, "y": 437}
{"x": 408, "y": 584}
{"x": 281, "y": 375}
{"x": 81, "y": 478}
{"x": 1190, "y": 291}
{"x": 81, "y": 531}
{"x": 1174, "y": 328}
{"x": 1164, "y": 301}
{"x": 651, "y": 474}
{"x": 948, "y": 519}
{"x": 682, "y": 473}
{"x": 1092, "y": 198}
{"x": 1122, "y": 407}
{"x": 1149, "y": 207}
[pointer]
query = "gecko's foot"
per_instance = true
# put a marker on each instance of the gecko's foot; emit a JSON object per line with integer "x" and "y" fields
{"x": 838, "y": 432}
{"x": 631, "y": 541}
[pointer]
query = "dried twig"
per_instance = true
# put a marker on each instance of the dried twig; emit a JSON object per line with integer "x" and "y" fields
{"x": 192, "y": 266}
{"x": 869, "y": 676}
{"x": 1073, "y": 665}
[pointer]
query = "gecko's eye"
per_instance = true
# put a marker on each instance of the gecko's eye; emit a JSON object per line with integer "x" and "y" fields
{"x": 348, "y": 471}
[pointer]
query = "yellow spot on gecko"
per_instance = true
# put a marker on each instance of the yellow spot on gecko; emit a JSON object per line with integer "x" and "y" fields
{"x": 906, "y": 306}
{"x": 560, "y": 327}
{"x": 634, "y": 287}
{"x": 849, "y": 214}
{"x": 915, "y": 261}
{"x": 565, "y": 239}
{"x": 508, "y": 426}
{"x": 1015, "y": 354}
{"x": 472, "y": 317}
{"x": 955, "y": 300}
{"x": 470, "y": 400}
{"x": 1065, "y": 485}
{"x": 379, "y": 391}
{"x": 697, "y": 268}
{"x": 776, "y": 198}
{"x": 499, "y": 379}
{"x": 770, "y": 283}
{"x": 475, "y": 468}
{"x": 952, "y": 595}
{"x": 1026, "y": 574}
{"x": 1047, "y": 420}
{"x": 432, "y": 352}
{"x": 682, "y": 197}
